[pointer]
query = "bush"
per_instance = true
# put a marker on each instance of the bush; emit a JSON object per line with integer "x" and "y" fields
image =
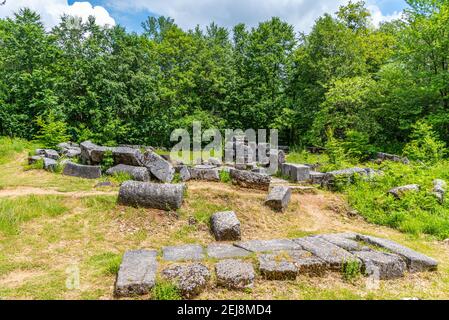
{"x": 335, "y": 152}
{"x": 424, "y": 145}
{"x": 357, "y": 147}
{"x": 52, "y": 131}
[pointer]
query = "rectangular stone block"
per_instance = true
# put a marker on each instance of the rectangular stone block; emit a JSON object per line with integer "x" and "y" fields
{"x": 137, "y": 273}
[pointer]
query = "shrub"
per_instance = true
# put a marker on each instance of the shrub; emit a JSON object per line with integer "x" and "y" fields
{"x": 52, "y": 131}
{"x": 356, "y": 146}
{"x": 424, "y": 145}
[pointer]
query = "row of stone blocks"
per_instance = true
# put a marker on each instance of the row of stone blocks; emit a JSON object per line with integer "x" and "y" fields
{"x": 281, "y": 259}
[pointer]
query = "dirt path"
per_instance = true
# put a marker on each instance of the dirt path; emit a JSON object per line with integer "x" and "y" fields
{"x": 27, "y": 191}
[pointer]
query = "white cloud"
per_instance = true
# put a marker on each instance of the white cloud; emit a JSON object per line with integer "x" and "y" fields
{"x": 378, "y": 17}
{"x": 189, "y": 13}
{"x": 52, "y": 10}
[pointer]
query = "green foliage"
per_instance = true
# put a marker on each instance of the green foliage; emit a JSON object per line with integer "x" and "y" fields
{"x": 120, "y": 177}
{"x": 51, "y": 131}
{"x": 357, "y": 146}
{"x": 38, "y": 165}
{"x": 225, "y": 176}
{"x": 89, "y": 82}
{"x": 107, "y": 161}
{"x": 177, "y": 178}
{"x": 424, "y": 145}
{"x": 351, "y": 270}
{"x": 165, "y": 290}
{"x": 334, "y": 151}
{"x": 416, "y": 213}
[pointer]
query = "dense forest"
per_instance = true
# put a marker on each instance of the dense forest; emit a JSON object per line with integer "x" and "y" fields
{"x": 346, "y": 79}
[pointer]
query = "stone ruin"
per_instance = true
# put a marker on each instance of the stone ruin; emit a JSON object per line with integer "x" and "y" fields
{"x": 280, "y": 259}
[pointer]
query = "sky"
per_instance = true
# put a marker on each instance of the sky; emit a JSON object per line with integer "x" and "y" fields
{"x": 189, "y": 13}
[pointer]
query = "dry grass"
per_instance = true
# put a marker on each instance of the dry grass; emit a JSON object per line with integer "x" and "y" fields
{"x": 93, "y": 232}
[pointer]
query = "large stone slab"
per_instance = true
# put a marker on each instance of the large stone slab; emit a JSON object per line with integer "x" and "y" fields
{"x": 345, "y": 176}
{"x": 346, "y": 241}
{"x": 137, "y": 273}
{"x": 158, "y": 166}
{"x": 127, "y": 156}
{"x": 400, "y": 192}
{"x": 226, "y": 251}
{"x": 191, "y": 279}
{"x": 272, "y": 267}
{"x": 225, "y": 226}
{"x": 82, "y": 171}
{"x": 296, "y": 172}
{"x": 279, "y": 198}
{"x": 205, "y": 172}
{"x": 385, "y": 266}
{"x": 136, "y": 173}
{"x": 333, "y": 255}
{"x": 250, "y": 180}
{"x": 316, "y": 177}
{"x": 416, "y": 262}
{"x": 151, "y": 195}
{"x": 189, "y": 252}
{"x": 91, "y": 153}
{"x": 269, "y": 245}
{"x": 307, "y": 264}
{"x": 235, "y": 274}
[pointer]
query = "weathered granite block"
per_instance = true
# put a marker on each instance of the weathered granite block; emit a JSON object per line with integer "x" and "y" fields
{"x": 137, "y": 273}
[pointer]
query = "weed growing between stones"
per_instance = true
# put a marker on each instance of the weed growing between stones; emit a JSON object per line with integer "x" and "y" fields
{"x": 120, "y": 177}
{"x": 351, "y": 270}
{"x": 38, "y": 165}
{"x": 177, "y": 178}
{"x": 108, "y": 161}
{"x": 165, "y": 290}
{"x": 225, "y": 177}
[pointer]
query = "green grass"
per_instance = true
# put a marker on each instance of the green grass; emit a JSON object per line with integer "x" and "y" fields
{"x": 10, "y": 147}
{"x": 108, "y": 263}
{"x": 14, "y": 212}
{"x": 416, "y": 213}
{"x": 165, "y": 290}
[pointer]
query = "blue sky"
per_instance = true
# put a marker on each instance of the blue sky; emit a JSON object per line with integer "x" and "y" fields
{"x": 189, "y": 13}
{"x": 131, "y": 17}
